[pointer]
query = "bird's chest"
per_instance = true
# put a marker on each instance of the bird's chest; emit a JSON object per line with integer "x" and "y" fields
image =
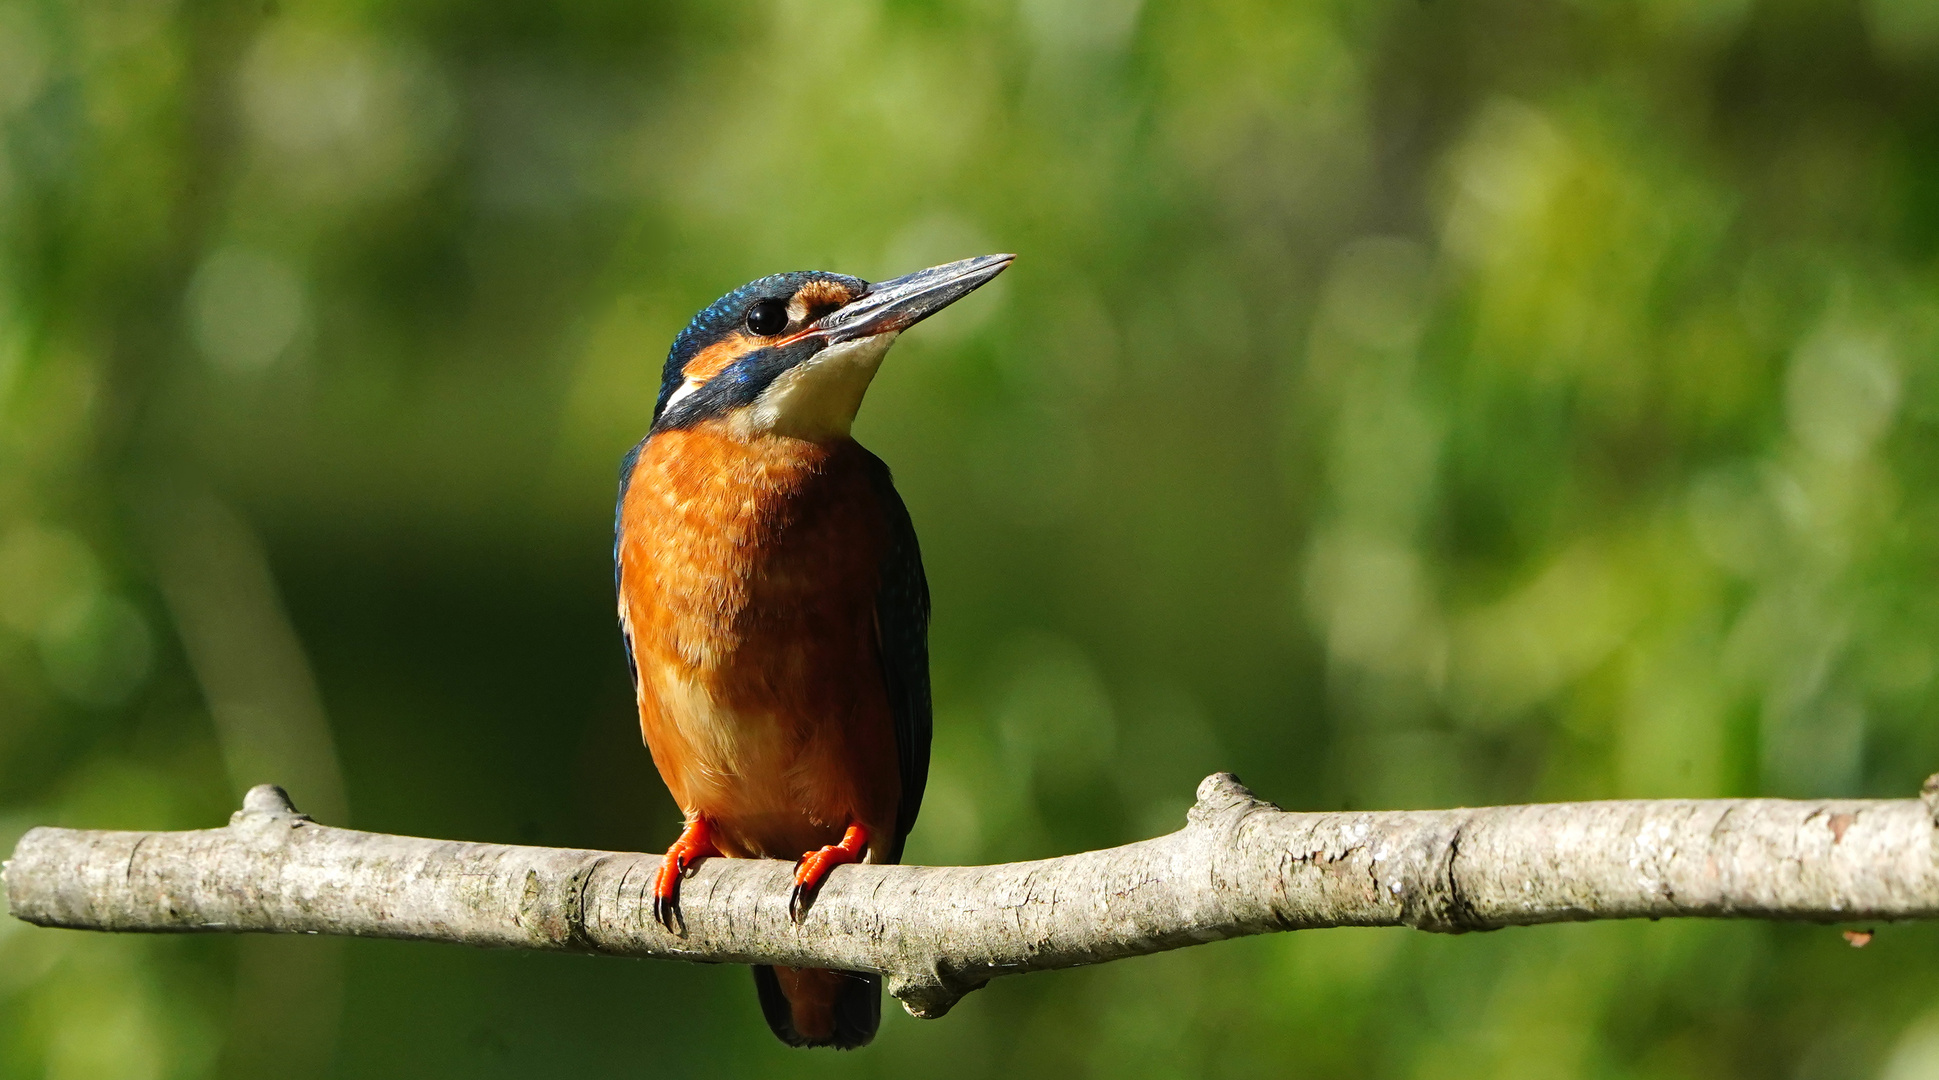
{"x": 748, "y": 577}
{"x": 728, "y": 546}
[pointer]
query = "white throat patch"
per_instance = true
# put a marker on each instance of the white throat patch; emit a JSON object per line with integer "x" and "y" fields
{"x": 818, "y": 398}
{"x": 686, "y": 390}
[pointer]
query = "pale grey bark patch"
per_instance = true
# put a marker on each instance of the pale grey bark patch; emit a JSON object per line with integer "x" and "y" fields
{"x": 1240, "y": 866}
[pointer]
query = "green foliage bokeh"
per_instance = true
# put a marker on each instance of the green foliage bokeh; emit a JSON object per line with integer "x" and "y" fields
{"x": 1405, "y": 403}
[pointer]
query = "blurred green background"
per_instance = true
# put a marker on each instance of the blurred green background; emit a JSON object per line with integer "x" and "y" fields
{"x": 1401, "y": 403}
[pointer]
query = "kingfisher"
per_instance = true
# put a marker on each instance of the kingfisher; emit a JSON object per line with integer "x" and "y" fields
{"x": 773, "y": 604}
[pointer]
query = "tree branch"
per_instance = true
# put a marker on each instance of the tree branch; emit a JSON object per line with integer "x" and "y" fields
{"x": 1240, "y": 866}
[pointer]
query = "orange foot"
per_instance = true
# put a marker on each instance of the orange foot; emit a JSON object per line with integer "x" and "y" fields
{"x": 696, "y": 843}
{"x": 815, "y": 865}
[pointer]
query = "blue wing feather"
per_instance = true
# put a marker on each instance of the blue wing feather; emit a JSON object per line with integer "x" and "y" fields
{"x": 619, "y": 524}
{"x": 902, "y": 639}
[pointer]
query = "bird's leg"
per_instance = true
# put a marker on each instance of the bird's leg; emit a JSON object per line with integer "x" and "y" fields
{"x": 696, "y": 843}
{"x": 815, "y": 865}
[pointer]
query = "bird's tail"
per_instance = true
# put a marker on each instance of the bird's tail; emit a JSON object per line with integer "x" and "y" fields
{"x": 810, "y": 1007}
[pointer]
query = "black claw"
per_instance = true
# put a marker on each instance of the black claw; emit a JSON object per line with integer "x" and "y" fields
{"x": 666, "y": 909}
{"x": 797, "y": 903}
{"x": 666, "y": 912}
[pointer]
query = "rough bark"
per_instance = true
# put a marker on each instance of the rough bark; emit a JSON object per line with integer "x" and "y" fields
{"x": 1240, "y": 866}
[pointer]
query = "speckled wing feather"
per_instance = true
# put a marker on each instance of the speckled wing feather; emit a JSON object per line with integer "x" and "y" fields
{"x": 902, "y": 636}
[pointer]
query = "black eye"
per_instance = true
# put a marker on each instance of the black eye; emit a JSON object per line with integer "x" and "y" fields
{"x": 767, "y": 317}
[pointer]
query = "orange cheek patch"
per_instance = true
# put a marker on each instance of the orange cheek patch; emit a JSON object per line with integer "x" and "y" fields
{"x": 817, "y": 298}
{"x": 715, "y": 358}
{"x": 819, "y": 294}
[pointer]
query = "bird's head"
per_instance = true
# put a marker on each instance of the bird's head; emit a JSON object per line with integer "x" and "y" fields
{"x": 792, "y": 354}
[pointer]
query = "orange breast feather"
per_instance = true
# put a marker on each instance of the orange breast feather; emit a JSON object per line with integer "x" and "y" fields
{"x": 748, "y": 578}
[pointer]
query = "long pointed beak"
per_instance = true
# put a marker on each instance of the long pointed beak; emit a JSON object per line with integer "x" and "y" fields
{"x": 902, "y": 302}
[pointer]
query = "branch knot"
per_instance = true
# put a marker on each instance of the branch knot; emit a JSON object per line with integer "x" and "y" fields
{"x": 267, "y": 802}
{"x": 1221, "y": 795}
